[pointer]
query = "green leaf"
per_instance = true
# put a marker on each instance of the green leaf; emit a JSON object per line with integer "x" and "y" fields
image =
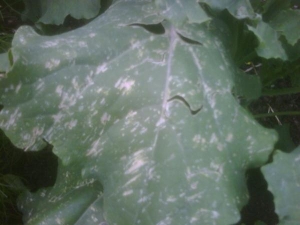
{"x": 287, "y": 22}
{"x": 70, "y": 201}
{"x": 55, "y": 11}
{"x": 293, "y": 51}
{"x": 271, "y": 8}
{"x": 285, "y": 142}
{"x": 240, "y": 9}
{"x": 150, "y": 117}
{"x": 283, "y": 178}
{"x": 248, "y": 86}
{"x": 4, "y": 62}
{"x": 242, "y": 41}
{"x": 182, "y": 11}
{"x": 269, "y": 45}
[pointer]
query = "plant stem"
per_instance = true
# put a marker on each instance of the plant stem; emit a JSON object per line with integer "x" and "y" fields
{"x": 283, "y": 91}
{"x": 287, "y": 113}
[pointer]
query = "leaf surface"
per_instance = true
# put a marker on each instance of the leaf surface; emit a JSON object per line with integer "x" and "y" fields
{"x": 150, "y": 117}
{"x": 269, "y": 44}
{"x": 287, "y": 22}
{"x": 182, "y": 11}
{"x": 240, "y": 9}
{"x": 4, "y": 62}
{"x": 55, "y": 11}
{"x": 283, "y": 178}
{"x": 70, "y": 201}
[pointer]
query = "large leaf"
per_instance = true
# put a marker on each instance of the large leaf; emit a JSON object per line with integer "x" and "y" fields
{"x": 70, "y": 201}
{"x": 283, "y": 178}
{"x": 181, "y": 11}
{"x": 287, "y": 22}
{"x": 269, "y": 44}
{"x": 240, "y": 9}
{"x": 4, "y": 62}
{"x": 150, "y": 117}
{"x": 55, "y": 11}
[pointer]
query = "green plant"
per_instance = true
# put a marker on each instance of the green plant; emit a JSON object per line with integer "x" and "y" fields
{"x": 148, "y": 109}
{"x": 10, "y": 188}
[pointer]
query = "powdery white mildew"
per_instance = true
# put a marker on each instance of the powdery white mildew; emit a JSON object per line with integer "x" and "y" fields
{"x": 52, "y": 64}
{"x": 101, "y": 68}
{"x": 105, "y": 118}
{"x": 125, "y": 85}
{"x": 137, "y": 161}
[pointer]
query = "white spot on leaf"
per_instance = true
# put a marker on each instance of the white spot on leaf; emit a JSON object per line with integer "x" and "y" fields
{"x": 136, "y": 162}
{"x": 125, "y": 85}
{"x": 105, "y": 118}
{"x": 58, "y": 90}
{"x": 102, "y": 68}
{"x": 18, "y": 88}
{"x": 129, "y": 192}
{"x": 52, "y": 64}
{"x": 229, "y": 137}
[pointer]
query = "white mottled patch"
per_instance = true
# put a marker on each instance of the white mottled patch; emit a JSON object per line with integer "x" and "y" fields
{"x": 13, "y": 118}
{"x": 82, "y": 44}
{"x": 132, "y": 180}
{"x": 193, "y": 219}
{"x": 195, "y": 197}
{"x": 102, "y": 102}
{"x": 242, "y": 11}
{"x": 40, "y": 85}
{"x": 37, "y": 131}
{"x": 217, "y": 113}
{"x": 49, "y": 44}
{"x": 143, "y": 199}
{"x": 213, "y": 138}
{"x": 171, "y": 199}
{"x": 222, "y": 67}
{"x": 143, "y": 130}
{"x": 194, "y": 185}
{"x": 131, "y": 114}
{"x": 22, "y": 39}
{"x": 80, "y": 184}
{"x": 75, "y": 83}
{"x": 72, "y": 124}
{"x": 125, "y": 85}
{"x": 18, "y": 88}
{"x": 52, "y": 64}
{"x": 57, "y": 117}
{"x": 128, "y": 192}
{"x": 197, "y": 138}
{"x": 91, "y": 35}
{"x": 214, "y": 214}
{"x": 89, "y": 80}
{"x": 95, "y": 149}
{"x": 58, "y": 90}
{"x": 43, "y": 194}
{"x": 216, "y": 167}
{"x": 94, "y": 218}
{"x": 220, "y": 147}
{"x": 160, "y": 122}
{"x": 105, "y": 118}
{"x": 229, "y": 137}
{"x": 189, "y": 174}
{"x": 135, "y": 44}
{"x": 165, "y": 221}
{"x": 102, "y": 68}
{"x": 58, "y": 221}
{"x": 137, "y": 161}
